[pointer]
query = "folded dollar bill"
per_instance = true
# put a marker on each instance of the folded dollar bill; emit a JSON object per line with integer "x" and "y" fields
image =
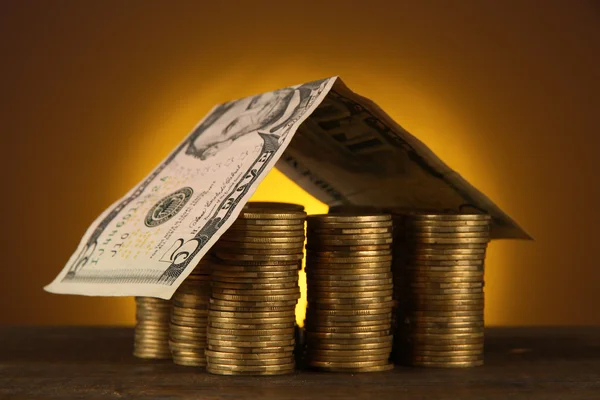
{"x": 338, "y": 146}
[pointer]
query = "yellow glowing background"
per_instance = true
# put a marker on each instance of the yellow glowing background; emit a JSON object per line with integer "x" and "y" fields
{"x": 95, "y": 94}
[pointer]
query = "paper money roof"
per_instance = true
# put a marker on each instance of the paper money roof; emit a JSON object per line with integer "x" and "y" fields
{"x": 337, "y": 145}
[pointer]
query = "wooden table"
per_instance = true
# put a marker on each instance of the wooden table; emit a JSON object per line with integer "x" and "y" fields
{"x": 89, "y": 362}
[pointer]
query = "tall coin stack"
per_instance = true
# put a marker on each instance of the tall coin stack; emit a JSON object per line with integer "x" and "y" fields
{"x": 348, "y": 267}
{"x": 443, "y": 323}
{"x": 189, "y": 316}
{"x": 254, "y": 293}
{"x": 151, "y": 338}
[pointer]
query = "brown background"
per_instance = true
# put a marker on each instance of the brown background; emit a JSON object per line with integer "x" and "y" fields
{"x": 95, "y": 93}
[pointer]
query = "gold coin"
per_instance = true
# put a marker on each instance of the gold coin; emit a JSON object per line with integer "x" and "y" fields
{"x": 258, "y": 304}
{"x": 256, "y": 286}
{"x": 289, "y": 245}
{"x": 438, "y": 251}
{"x": 262, "y": 252}
{"x": 235, "y": 235}
{"x": 485, "y": 228}
{"x": 457, "y": 364}
{"x": 426, "y": 293}
{"x": 349, "y": 312}
{"x": 251, "y": 368}
{"x": 221, "y": 370}
{"x": 348, "y": 254}
{"x": 350, "y": 231}
{"x": 455, "y": 353}
{"x": 433, "y": 240}
{"x": 347, "y": 291}
{"x": 239, "y": 336}
{"x": 357, "y": 301}
{"x": 291, "y": 220}
{"x": 379, "y": 368}
{"x": 260, "y": 213}
{"x": 317, "y": 272}
{"x": 444, "y": 275}
{"x": 311, "y": 322}
{"x": 446, "y": 257}
{"x": 290, "y": 312}
{"x": 259, "y": 257}
{"x": 343, "y": 218}
{"x": 444, "y": 263}
{"x": 245, "y": 321}
{"x": 446, "y": 285}
{"x": 445, "y": 331}
{"x": 189, "y": 311}
{"x": 350, "y": 345}
{"x": 217, "y": 371}
{"x": 296, "y": 227}
{"x": 347, "y": 335}
{"x": 320, "y": 353}
{"x": 259, "y": 362}
{"x": 318, "y": 237}
{"x": 362, "y": 358}
{"x": 257, "y": 292}
{"x": 317, "y": 328}
{"x": 273, "y": 205}
{"x": 377, "y": 304}
{"x": 418, "y": 314}
{"x": 189, "y": 322}
{"x": 346, "y": 364}
{"x": 253, "y": 326}
{"x": 347, "y": 248}
{"x": 231, "y": 239}
{"x": 278, "y": 308}
{"x": 318, "y": 259}
{"x": 248, "y": 356}
{"x": 238, "y": 332}
{"x": 350, "y": 277}
{"x": 418, "y": 234}
{"x": 252, "y": 281}
{"x": 270, "y": 298}
{"x": 198, "y": 362}
{"x": 454, "y": 268}
{"x": 250, "y": 350}
{"x": 259, "y": 268}
{"x": 454, "y": 337}
{"x": 318, "y": 295}
{"x": 382, "y": 264}
{"x": 247, "y": 343}
{"x": 313, "y": 316}
{"x": 350, "y": 285}
{"x": 447, "y": 298}
{"x": 266, "y": 275}
{"x": 322, "y": 241}
{"x": 197, "y": 347}
{"x": 448, "y": 217}
{"x": 314, "y": 225}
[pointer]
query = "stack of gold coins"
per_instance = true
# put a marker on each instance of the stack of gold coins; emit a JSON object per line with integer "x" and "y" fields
{"x": 348, "y": 267}
{"x": 442, "y": 322}
{"x": 151, "y": 338}
{"x": 189, "y": 316}
{"x": 254, "y": 293}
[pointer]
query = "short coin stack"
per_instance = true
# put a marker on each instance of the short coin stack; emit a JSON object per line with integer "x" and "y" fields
{"x": 348, "y": 320}
{"x": 443, "y": 325}
{"x": 189, "y": 316}
{"x": 254, "y": 293}
{"x": 152, "y": 328}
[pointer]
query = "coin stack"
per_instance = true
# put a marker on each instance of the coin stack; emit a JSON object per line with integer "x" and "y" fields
{"x": 348, "y": 267}
{"x": 442, "y": 322}
{"x": 151, "y": 339}
{"x": 254, "y": 293}
{"x": 189, "y": 316}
